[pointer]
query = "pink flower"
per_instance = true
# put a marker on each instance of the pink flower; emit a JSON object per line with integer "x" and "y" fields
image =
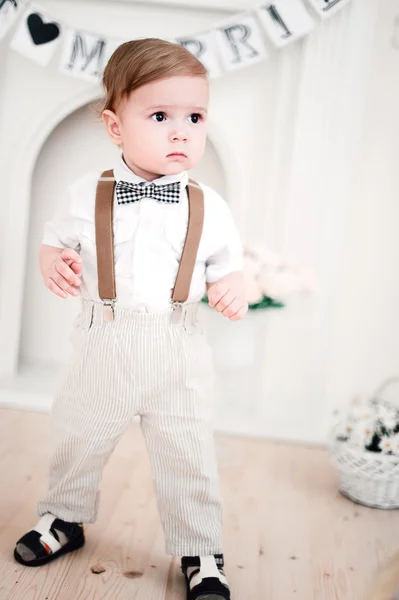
{"x": 268, "y": 274}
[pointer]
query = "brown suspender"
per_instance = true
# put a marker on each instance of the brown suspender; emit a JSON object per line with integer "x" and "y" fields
{"x": 181, "y": 289}
{"x": 105, "y": 236}
{"x": 105, "y": 242}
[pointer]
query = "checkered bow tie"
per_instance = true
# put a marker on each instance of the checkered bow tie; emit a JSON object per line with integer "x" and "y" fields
{"x": 133, "y": 192}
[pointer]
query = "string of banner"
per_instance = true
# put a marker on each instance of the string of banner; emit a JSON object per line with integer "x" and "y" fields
{"x": 237, "y": 42}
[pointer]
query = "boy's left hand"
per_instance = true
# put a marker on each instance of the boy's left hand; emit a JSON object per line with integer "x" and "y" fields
{"x": 228, "y": 296}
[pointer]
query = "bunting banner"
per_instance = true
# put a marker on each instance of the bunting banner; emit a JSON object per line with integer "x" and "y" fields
{"x": 240, "y": 41}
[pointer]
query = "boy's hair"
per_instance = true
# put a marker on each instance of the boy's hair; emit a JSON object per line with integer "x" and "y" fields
{"x": 138, "y": 62}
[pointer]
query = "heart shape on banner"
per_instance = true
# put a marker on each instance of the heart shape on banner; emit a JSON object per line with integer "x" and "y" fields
{"x": 42, "y": 33}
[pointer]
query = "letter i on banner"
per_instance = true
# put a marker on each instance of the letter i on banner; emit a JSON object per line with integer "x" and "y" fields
{"x": 9, "y": 10}
{"x": 285, "y": 21}
{"x": 240, "y": 42}
{"x": 37, "y": 36}
{"x": 326, "y": 8}
{"x": 202, "y": 46}
{"x": 83, "y": 55}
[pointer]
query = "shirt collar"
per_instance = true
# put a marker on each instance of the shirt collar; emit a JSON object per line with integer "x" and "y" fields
{"x": 123, "y": 173}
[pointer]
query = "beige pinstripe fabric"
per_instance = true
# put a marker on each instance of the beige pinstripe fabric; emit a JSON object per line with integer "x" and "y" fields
{"x": 139, "y": 364}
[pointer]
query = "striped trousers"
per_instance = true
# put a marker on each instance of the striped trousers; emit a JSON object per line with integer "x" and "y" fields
{"x": 139, "y": 364}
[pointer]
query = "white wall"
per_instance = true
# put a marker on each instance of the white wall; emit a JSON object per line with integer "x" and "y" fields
{"x": 306, "y": 140}
{"x": 365, "y": 334}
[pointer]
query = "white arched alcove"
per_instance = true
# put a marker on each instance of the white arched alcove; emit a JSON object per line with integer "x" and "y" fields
{"x": 35, "y": 323}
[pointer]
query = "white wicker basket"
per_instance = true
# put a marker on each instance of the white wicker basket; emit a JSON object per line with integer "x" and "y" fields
{"x": 366, "y": 477}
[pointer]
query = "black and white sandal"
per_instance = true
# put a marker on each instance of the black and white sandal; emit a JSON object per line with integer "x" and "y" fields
{"x": 205, "y": 578}
{"x": 48, "y": 540}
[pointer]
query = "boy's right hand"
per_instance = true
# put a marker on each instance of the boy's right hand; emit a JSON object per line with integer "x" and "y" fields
{"x": 63, "y": 275}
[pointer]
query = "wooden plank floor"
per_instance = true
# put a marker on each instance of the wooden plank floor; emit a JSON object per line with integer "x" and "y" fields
{"x": 288, "y": 532}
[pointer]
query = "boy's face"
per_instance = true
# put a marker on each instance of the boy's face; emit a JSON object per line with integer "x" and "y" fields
{"x": 162, "y": 126}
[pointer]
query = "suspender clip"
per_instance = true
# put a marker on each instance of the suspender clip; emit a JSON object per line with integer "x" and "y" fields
{"x": 177, "y": 313}
{"x": 109, "y": 309}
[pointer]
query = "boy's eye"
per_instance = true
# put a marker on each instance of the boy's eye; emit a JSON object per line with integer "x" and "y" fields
{"x": 195, "y": 118}
{"x": 158, "y": 116}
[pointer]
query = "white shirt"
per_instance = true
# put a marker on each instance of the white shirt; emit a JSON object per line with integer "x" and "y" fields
{"x": 148, "y": 236}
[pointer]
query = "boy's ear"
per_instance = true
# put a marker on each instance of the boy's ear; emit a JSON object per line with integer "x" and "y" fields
{"x": 113, "y": 125}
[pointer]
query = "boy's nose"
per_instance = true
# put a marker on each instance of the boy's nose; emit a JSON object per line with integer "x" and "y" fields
{"x": 178, "y": 136}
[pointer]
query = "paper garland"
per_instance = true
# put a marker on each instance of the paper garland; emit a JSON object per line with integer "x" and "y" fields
{"x": 235, "y": 43}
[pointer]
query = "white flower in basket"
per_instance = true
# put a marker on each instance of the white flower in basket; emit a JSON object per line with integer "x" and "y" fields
{"x": 365, "y": 449}
{"x": 390, "y": 444}
{"x": 361, "y": 434}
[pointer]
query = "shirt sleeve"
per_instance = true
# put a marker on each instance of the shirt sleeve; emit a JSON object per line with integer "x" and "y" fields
{"x": 77, "y": 208}
{"x": 62, "y": 230}
{"x": 227, "y": 251}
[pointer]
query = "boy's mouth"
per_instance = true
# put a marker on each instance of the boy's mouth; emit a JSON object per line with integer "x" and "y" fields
{"x": 176, "y": 155}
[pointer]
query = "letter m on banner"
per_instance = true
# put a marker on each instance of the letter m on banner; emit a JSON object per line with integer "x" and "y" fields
{"x": 83, "y": 55}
